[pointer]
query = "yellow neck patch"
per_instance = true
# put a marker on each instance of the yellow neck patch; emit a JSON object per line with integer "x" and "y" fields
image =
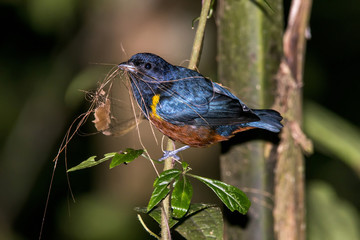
{"x": 155, "y": 101}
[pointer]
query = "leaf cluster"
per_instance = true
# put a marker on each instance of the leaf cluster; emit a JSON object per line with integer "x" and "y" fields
{"x": 177, "y": 183}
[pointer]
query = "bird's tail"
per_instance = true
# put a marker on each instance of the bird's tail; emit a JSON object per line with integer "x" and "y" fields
{"x": 269, "y": 120}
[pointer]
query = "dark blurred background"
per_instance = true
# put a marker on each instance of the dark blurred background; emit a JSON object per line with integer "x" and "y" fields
{"x": 52, "y": 49}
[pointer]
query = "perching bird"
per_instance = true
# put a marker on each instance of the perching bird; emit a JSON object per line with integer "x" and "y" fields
{"x": 189, "y": 108}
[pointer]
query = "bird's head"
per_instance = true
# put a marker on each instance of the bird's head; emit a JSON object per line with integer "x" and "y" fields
{"x": 147, "y": 67}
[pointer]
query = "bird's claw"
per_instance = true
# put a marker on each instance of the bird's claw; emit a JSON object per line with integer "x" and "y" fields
{"x": 173, "y": 154}
{"x": 168, "y": 154}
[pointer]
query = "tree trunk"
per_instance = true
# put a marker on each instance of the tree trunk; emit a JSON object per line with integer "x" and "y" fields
{"x": 249, "y": 53}
{"x": 289, "y": 208}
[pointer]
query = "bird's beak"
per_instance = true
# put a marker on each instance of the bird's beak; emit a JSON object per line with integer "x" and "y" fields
{"x": 127, "y": 67}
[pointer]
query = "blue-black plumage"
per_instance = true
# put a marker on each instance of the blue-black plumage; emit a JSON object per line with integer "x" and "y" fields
{"x": 188, "y": 107}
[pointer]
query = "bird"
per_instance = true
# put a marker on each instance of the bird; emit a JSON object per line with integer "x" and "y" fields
{"x": 188, "y": 107}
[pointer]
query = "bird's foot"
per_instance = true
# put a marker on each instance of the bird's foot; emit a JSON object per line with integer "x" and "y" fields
{"x": 173, "y": 154}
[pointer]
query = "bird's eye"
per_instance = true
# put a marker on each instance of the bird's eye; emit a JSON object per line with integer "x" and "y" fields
{"x": 148, "y": 66}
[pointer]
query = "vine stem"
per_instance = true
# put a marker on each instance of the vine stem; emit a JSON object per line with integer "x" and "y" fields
{"x": 194, "y": 61}
{"x": 165, "y": 210}
{"x": 199, "y": 36}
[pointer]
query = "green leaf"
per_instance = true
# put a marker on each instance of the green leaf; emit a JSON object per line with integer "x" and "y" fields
{"x": 232, "y": 197}
{"x": 166, "y": 177}
{"x": 117, "y": 158}
{"x": 205, "y": 224}
{"x": 156, "y": 212}
{"x": 269, "y": 6}
{"x": 125, "y": 157}
{"x": 185, "y": 166}
{"x": 181, "y": 196}
{"x": 161, "y": 186}
{"x": 90, "y": 162}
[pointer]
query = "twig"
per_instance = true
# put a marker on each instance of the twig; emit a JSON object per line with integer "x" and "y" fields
{"x": 199, "y": 36}
{"x": 194, "y": 60}
{"x": 165, "y": 210}
{"x": 146, "y": 228}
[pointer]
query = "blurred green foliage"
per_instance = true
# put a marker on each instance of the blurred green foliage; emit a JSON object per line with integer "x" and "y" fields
{"x": 51, "y": 16}
{"x": 95, "y": 217}
{"x": 330, "y": 216}
{"x": 333, "y": 137}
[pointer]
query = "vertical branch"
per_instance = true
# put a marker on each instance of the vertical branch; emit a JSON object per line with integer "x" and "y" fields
{"x": 194, "y": 61}
{"x": 289, "y": 210}
{"x": 165, "y": 210}
{"x": 199, "y": 36}
{"x": 295, "y": 37}
{"x": 249, "y": 53}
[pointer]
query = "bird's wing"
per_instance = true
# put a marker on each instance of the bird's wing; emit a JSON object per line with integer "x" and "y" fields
{"x": 185, "y": 100}
{"x": 227, "y": 109}
{"x": 201, "y": 102}
{"x": 224, "y": 110}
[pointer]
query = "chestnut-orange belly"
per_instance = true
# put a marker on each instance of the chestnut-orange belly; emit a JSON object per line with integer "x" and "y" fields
{"x": 194, "y": 136}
